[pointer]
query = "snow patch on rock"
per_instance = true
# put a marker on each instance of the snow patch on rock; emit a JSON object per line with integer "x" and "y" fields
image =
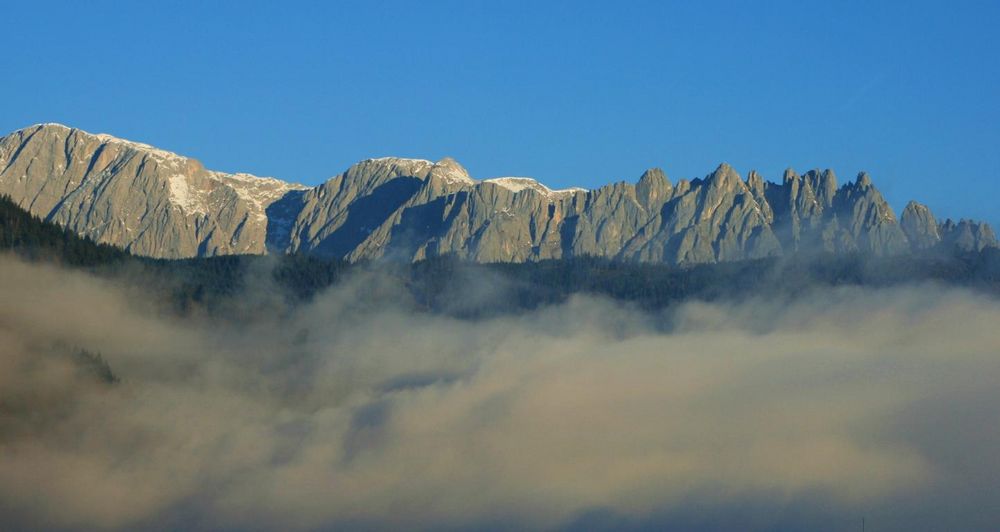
{"x": 518, "y": 184}
{"x": 157, "y": 153}
{"x": 257, "y": 192}
{"x": 182, "y": 196}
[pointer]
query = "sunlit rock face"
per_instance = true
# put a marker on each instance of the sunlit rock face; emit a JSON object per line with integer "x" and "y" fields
{"x": 160, "y": 204}
{"x": 148, "y": 201}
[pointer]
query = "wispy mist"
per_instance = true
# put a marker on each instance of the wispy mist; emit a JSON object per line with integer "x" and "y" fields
{"x": 358, "y": 411}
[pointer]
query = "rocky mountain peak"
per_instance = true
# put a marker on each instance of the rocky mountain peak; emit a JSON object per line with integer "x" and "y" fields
{"x": 863, "y": 180}
{"x": 823, "y": 185}
{"x": 654, "y": 176}
{"x": 789, "y": 176}
{"x": 916, "y": 210}
{"x": 919, "y": 225}
{"x": 153, "y": 202}
{"x": 450, "y": 171}
{"x": 967, "y": 234}
{"x": 395, "y": 165}
{"x": 724, "y": 177}
{"x": 653, "y": 188}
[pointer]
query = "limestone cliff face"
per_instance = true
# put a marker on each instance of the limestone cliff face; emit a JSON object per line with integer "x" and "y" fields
{"x": 146, "y": 200}
{"x": 160, "y": 204}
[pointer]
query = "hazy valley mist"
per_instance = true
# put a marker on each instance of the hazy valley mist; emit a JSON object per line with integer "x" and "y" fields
{"x": 356, "y": 410}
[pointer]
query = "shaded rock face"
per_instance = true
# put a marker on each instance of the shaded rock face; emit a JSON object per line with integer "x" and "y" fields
{"x": 159, "y": 204}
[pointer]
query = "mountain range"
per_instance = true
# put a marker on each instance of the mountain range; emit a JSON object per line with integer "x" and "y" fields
{"x": 159, "y": 204}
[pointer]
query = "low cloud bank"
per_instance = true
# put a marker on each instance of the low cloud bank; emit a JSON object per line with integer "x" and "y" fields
{"x": 357, "y": 411}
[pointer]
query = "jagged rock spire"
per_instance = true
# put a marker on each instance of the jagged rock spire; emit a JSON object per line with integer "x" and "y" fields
{"x": 919, "y": 225}
{"x": 863, "y": 180}
{"x": 653, "y": 188}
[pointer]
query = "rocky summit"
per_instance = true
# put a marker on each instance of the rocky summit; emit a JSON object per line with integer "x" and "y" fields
{"x": 159, "y": 204}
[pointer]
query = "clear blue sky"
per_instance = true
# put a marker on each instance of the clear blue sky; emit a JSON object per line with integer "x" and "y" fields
{"x": 572, "y": 93}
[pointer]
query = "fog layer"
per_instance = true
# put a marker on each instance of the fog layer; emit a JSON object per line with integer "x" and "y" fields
{"x": 359, "y": 411}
